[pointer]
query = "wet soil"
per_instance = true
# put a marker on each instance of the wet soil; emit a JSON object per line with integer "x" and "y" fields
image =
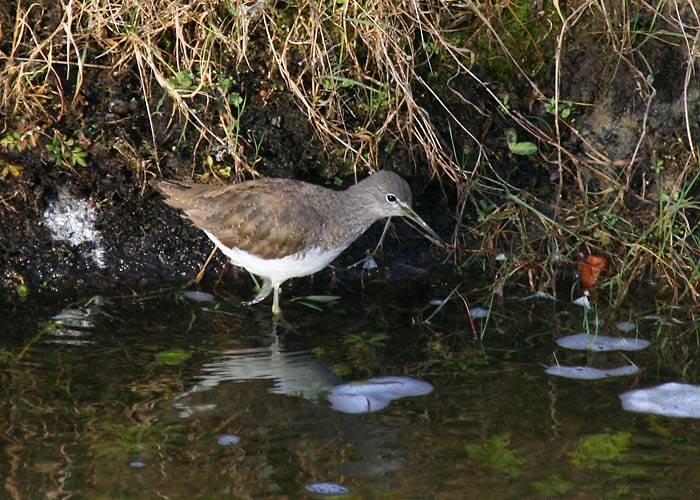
{"x": 142, "y": 239}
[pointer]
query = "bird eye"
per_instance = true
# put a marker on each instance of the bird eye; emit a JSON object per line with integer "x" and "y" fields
{"x": 391, "y": 198}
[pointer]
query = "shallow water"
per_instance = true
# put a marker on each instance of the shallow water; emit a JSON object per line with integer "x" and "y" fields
{"x": 161, "y": 396}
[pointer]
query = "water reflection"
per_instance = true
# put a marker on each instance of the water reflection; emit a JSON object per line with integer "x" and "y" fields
{"x": 296, "y": 373}
{"x": 165, "y": 395}
{"x": 73, "y": 326}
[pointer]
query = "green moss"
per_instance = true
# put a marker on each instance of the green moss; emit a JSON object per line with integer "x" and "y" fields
{"x": 495, "y": 452}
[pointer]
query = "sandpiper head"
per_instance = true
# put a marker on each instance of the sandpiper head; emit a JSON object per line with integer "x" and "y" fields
{"x": 391, "y": 197}
{"x": 389, "y": 194}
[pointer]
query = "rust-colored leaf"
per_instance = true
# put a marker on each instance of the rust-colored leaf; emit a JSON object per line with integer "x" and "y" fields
{"x": 590, "y": 267}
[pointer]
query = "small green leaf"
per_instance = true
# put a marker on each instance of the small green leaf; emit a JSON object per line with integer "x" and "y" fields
{"x": 78, "y": 156}
{"x": 523, "y": 148}
{"x": 172, "y": 358}
{"x": 235, "y": 99}
{"x": 511, "y": 137}
{"x": 322, "y": 298}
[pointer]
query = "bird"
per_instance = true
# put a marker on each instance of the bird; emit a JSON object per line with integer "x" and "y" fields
{"x": 283, "y": 228}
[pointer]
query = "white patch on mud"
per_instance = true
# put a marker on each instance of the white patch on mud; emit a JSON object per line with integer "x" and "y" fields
{"x": 73, "y": 220}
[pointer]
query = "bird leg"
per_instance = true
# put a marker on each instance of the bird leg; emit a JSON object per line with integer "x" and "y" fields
{"x": 223, "y": 272}
{"x": 200, "y": 274}
{"x": 276, "y": 302}
{"x": 265, "y": 290}
{"x": 381, "y": 238}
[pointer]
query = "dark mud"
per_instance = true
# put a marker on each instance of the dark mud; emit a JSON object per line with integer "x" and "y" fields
{"x": 138, "y": 238}
{"x": 133, "y": 238}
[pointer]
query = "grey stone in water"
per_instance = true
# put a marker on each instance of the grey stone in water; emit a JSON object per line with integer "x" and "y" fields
{"x": 375, "y": 394}
{"x": 227, "y": 439}
{"x": 327, "y": 489}
{"x": 670, "y": 400}
{"x": 600, "y": 343}
{"x": 479, "y": 312}
{"x": 196, "y": 296}
{"x": 626, "y": 326}
{"x": 590, "y": 373}
{"x": 369, "y": 263}
{"x": 659, "y": 319}
{"x": 583, "y": 301}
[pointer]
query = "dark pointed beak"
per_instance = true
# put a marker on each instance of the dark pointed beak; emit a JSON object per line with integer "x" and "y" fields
{"x": 414, "y": 220}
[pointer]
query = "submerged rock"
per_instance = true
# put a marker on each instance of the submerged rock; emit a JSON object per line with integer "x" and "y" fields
{"x": 197, "y": 296}
{"x": 327, "y": 489}
{"x": 626, "y": 326}
{"x": 587, "y": 342}
{"x": 375, "y": 394}
{"x": 590, "y": 373}
{"x": 670, "y": 400}
{"x": 227, "y": 439}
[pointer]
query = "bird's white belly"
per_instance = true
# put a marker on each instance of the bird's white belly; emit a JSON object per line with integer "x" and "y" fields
{"x": 278, "y": 270}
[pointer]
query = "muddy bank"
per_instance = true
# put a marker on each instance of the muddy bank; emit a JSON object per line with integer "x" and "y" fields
{"x": 114, "y": 234}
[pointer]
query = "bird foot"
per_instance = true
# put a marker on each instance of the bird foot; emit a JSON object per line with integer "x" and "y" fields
{"x": 265, "y": 290}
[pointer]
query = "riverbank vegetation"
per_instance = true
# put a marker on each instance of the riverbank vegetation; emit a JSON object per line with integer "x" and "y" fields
{"x": 556, "y": 130}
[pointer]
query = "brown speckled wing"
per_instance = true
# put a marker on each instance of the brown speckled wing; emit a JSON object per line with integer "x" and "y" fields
{"x": 266, "y": 217}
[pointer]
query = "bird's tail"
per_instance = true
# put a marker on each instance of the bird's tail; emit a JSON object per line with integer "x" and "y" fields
{"x": 168, "y": 188}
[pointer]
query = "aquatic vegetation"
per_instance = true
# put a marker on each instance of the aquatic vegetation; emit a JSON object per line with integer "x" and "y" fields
{"x": 596, "y": 449}
{"x": 496, "y": 452}
{"x": 172, "y": 358}
{"x": 555, "y": 486}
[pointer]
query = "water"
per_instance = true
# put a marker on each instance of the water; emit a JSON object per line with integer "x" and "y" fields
{"x": 160, "y": 396}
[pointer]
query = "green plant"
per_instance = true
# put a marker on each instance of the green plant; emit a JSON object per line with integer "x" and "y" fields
{"x": 65, "y": 151}
{"x": 524, "y": 148}
{"x": 564, "y": 108}
{"x": 14, "y": 141}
